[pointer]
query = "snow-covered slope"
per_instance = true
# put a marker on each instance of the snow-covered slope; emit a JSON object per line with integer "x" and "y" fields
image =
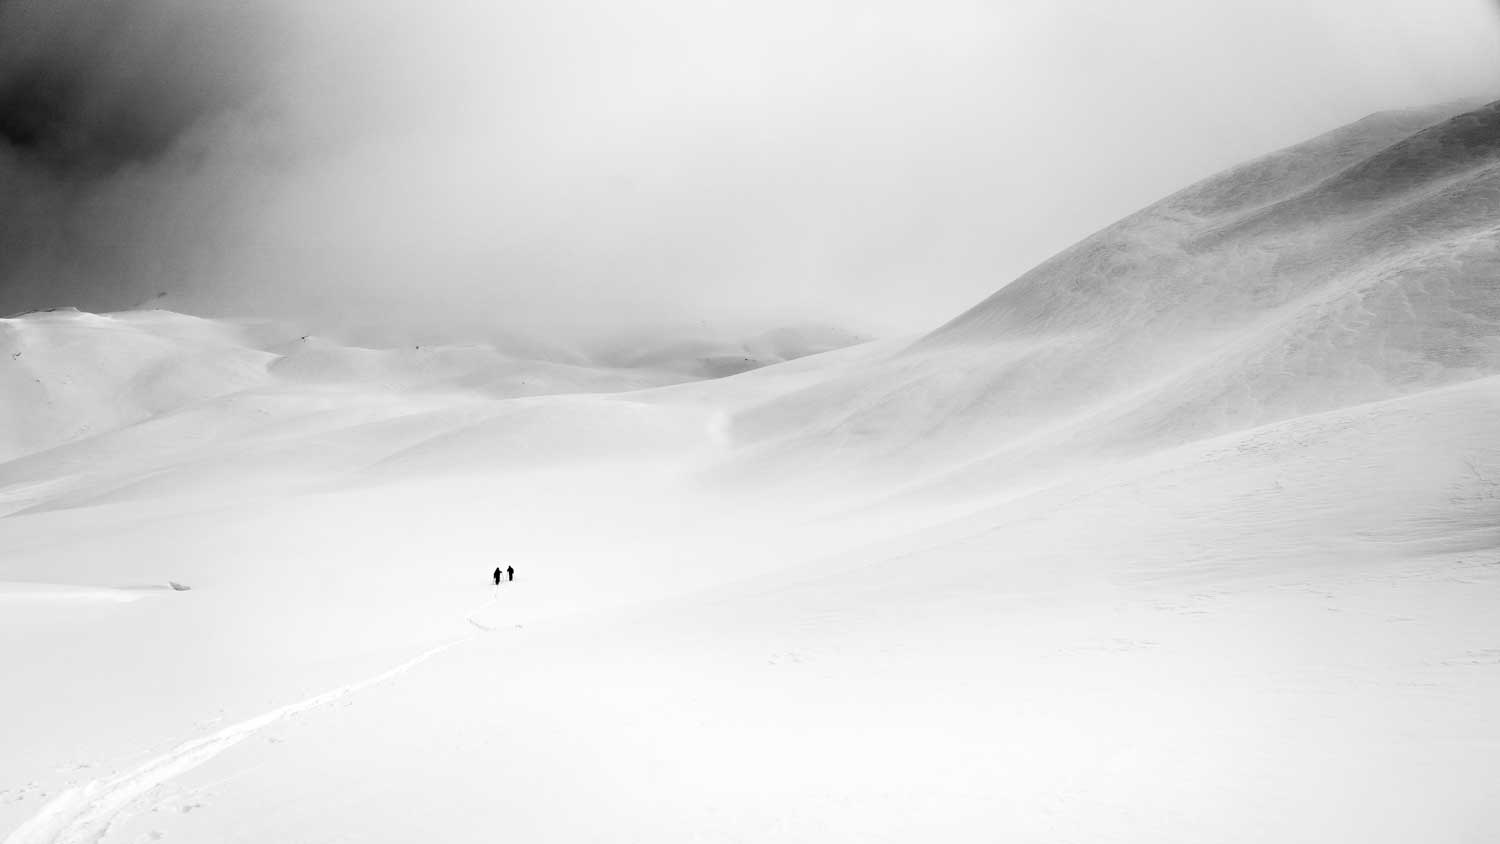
{"x": 1188, "y": 535}
{"x": 1357, "y": 267}
{"x": 66, "y": 375}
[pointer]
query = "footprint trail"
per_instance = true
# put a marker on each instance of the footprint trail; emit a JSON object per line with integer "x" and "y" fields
{"x": 85, "y": 813}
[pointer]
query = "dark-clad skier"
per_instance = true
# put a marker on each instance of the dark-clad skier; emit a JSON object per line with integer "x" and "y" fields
{"x": 510, "y": 573}
{"x": 497, "y": 575}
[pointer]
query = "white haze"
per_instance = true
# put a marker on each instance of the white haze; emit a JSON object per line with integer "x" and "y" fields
{"x": 569, "y": 165}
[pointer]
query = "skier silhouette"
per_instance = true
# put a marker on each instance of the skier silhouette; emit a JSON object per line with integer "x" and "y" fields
{"x": 510, "y": 573}
{"x": 497, "y": 575}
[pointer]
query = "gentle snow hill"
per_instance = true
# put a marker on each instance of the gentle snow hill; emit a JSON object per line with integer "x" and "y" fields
{"x": 95, "y": 407}
{"x": 66, "y": 375}
{"x": 98, "y": 407}
{"x": 1357, "y": 267}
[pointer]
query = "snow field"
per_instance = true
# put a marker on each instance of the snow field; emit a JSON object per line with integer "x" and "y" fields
{"x": 1192, "y": 534}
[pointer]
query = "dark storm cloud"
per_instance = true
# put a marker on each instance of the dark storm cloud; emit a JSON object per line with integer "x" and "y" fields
{"x": 87, "y": 86}
{"x": 102, "y": 110}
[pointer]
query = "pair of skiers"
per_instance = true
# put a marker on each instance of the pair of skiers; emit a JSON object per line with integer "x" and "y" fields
{"x": 509, "y": 573}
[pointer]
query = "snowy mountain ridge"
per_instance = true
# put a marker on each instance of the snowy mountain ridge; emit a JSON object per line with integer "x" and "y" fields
{"x": 1354, "y": 268}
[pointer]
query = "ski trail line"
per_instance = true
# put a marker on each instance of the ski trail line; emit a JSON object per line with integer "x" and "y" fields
{"x": 85, "y": 813}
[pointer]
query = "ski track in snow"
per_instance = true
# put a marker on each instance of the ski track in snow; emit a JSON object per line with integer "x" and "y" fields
{"x": 86, "y": 813}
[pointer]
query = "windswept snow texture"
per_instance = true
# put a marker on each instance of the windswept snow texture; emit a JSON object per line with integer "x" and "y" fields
{"x": 1191, "y": 534}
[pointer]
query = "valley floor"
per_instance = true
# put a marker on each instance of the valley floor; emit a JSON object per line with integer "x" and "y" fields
{"x": 1288, "y": 633}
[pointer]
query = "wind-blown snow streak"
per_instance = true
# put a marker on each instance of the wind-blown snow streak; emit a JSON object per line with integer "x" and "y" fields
{"x": 85, "y": 813}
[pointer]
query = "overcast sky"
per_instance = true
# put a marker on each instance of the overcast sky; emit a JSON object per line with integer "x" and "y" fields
{"x": 575, "y": 164}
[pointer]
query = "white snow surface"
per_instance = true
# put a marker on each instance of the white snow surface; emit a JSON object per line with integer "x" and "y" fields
{"x": 1192, "y": 534}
